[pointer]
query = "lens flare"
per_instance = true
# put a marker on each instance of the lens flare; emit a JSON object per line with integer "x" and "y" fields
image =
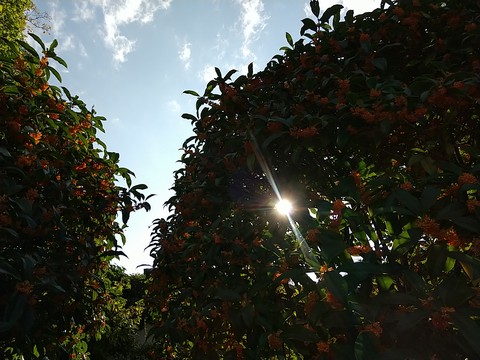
{"x": 284, "y": 207}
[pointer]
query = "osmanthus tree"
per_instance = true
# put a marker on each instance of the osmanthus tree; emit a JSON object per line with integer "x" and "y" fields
{"x": 59, "y": 200}
{"x": 369, "y": 124}
{"x": 18, "y": 15}
{"x": 126, "y": 318}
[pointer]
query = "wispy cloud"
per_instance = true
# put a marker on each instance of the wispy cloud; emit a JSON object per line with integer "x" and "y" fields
{"x": 58, "y": 17}
{"x": 253, "y": 21}
{"x": 174, "y": 106}
{"x": 67, "y": 41}
{"x": 184, "y": 55}
{"x": 208, "y": 73}
{"x": 84, "y": 10}
{"x": 220, "y": 46}
{"x": 83, "y": 50}
{"x": 227, "y": 53}
{"x": 306, "y": 9}
{"x": 117, "y": 14}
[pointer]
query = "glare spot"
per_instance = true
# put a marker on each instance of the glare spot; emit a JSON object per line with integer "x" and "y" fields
{"x": 284, "y": 207}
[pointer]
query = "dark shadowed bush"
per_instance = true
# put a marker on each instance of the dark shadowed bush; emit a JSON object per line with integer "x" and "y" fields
{"x": 370, "y": 125}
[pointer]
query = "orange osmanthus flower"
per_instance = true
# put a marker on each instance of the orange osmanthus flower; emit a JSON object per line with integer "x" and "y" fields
{"x": 375, "y": 328}
{"x": 333, "y": 301}
{"x": 429, "y": 226}
{"x": 274, "y": 341}
{"x": 36, "y": 136}
{"x": 467, "y": 178}
{"x": 323, "y": 347}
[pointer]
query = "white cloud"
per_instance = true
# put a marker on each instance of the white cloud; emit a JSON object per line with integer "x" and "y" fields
{"x": 185, "y": 54}
{"x": 307, "y": 10}
{"x": 174, "y": 106}
{"x": 116, "y": 14}
{"x": 119, "y": 43}
{"x": 208, "y": 73}
{"x": 83, "y": 50}
{"x": 221, "y": 46}
{"x": 253, "y": 21}
{"x": 84, "y": 10}
{"x": 57, "y": 16}
{"x": 66, "y": 40}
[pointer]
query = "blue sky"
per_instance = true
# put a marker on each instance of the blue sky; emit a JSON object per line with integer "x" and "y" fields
{"x": 132, "y": 59}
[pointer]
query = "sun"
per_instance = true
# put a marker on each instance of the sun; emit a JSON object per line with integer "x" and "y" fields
{"x": 284, "y": 207}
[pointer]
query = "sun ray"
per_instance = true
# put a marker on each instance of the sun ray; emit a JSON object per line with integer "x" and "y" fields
{"x": 307, "y": 252}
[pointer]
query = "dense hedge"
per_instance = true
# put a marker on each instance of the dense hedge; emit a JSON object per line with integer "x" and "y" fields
{"x": 59, "y": 200}
{"x": 370, "y": 125}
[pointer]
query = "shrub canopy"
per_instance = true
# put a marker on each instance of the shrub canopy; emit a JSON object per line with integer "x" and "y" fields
{"x": 370, "y": 125}
{"x": 59, "y": 200}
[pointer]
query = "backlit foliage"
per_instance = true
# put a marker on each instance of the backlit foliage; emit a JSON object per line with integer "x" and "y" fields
{"x": 59, "y": 200}
{"x": 370, "y": 123}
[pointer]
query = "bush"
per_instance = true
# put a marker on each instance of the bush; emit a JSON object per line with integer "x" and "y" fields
{"x": 58, "y": 207}
{"x": 370, "y": 125}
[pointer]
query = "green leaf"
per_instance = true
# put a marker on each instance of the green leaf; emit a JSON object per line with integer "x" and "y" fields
{"x": 55, "y": 73}
{"x": 451, "y": 211}
{"x": 139, "y": 187}
{"x": 428, "y": 164}
{"x": 191, "y": 92}
{"x": 468, "y": 223}
{"x": 53, "y": 45}
{"x": 343, "y": 138}
{"x": 251, "y": 161}
{"x": 189, "y": 117}
{"x": 469, "y": 329}
{"x": 380, "y": 63}
{"x": 248, "y": 315}
{"x": 227, "y": 294}
{"x": 38, "y": 40}
{"x": 315, "y": 7}
{"x": 470, "y": 265}
{"x": 449, "y": 264}
{"x": 422, "y": 84}
{"x": 250, "y": 70}
{"x": 332, "y": 245}
{"x": 289, "y": 39}
{"x": 113, "y": 253}
{"x": 308, "y": 24}
{"x": 299, "y": 333}
{"x": 229, "y": 74}
{"x": 67, "y": 93}
{"x": 429, "y": 197}
{"x": 7, "y": 269}
{"x": 349, "y": 17}
{"x": 335, "y": 9}
{"x": 4, "y": 152}
{"x": 60, "y": 61}
{"x": 337, "y": 285}
{"x": 409, "y": 201}
{"x": 455, "y": 291}
{"x": 27, "y": 47}
{"x": 10, "y": 89}
{"x": 408, "y": 321}
{"x": 365, "y": 346}
{"x": 437, "y": 256}
{"x": 385, "y": 282}
{"x": 272, "y": 138}
{"x": 35, "y": 351}
{"x": 15, "y": 308}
